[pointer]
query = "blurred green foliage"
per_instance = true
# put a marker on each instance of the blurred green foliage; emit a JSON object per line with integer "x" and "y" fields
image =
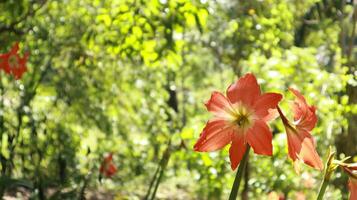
{"x": 129, "y": 76}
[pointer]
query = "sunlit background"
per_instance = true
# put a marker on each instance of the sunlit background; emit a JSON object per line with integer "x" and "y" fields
{"x": 131, "y": 77}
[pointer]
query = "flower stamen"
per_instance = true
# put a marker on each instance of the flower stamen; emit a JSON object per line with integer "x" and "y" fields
{"x": 242, "y": 120}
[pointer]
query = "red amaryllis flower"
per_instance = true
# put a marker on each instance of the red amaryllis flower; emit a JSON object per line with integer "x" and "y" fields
{"x": 107, "y": 168}
{"x": 239, "y": 118}
{"x": 301, "y": 145}
{"x": 12, "y": 63}
{"x": 351, "y": 170}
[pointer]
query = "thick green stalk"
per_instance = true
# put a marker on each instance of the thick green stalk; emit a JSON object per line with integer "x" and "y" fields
{"x": 322, "y": 189}
{"x": 330, "y": 167}
{"x": 238, "y": 178}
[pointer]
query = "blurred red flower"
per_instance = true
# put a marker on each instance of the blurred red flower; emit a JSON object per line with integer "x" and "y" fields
{"x": 351, "y": 170}
{"x": 275, "y": 196}
{"x": 239, "y": 118}
{"x": 12, "y": 63}
{"x": 300, "y": 196}
{"x": 301, "y": 145}
{"x": 107, "y": 168}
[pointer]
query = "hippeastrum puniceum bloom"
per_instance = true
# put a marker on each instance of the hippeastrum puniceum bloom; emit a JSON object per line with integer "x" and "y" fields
{"x": 301, "y": 145}
{"x": 239, "y": 118}
{"x": 107, "y": 168}
{"x": 13, "y": 63}
{"x": 351, "y": 170}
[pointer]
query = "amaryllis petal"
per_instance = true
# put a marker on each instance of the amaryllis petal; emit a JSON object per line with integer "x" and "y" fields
{"x": 4, "y": 62}
{"x": 214, "y": 136}
{"x": 309, "y": 122}
{"x": 301, "y": 146}
{"x": 111, "y": 169}
{"x": 246, "y": 90}
{"x": 265, "y": 102}
{"x": 273, "y": 114}
{"x": 6, "y": 67}
{"x": 294, "y": 143}
{"x": 300, "y": 98}
{"x": 304, "y": 114}
{"x": 276, "y": 196}
{"x": 219, "y": 105}
{"x": 351, "y": 170}
{"x": 352, "y": 185}
{"x": 109, "y": 158}
{"x": 237, "y": 150}
{"x": 15, "y": 48}
{"x": 18, "y": 71}
{"x": 352, "y": 166}
{"x": 260, "y": 137}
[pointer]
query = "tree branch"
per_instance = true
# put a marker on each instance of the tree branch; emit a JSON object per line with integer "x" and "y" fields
{"x": 31, "y": 12}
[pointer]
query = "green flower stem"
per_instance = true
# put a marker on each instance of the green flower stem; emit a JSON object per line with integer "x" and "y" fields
{"x": 330, "y": 167}
{"x": 153, "y": 181}
{"x": 322, "y": 189}
{"x": 238, "y": 178}
{"x": 154, "y": 185}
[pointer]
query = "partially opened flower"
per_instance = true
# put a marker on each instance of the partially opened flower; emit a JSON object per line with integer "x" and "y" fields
{"x": 13, "y": 63}
{"x": 239, "y": 118}
{"x": 107, "y": 168}
{"x": 351, "y": 170}
{"x": 301, "y": 145}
